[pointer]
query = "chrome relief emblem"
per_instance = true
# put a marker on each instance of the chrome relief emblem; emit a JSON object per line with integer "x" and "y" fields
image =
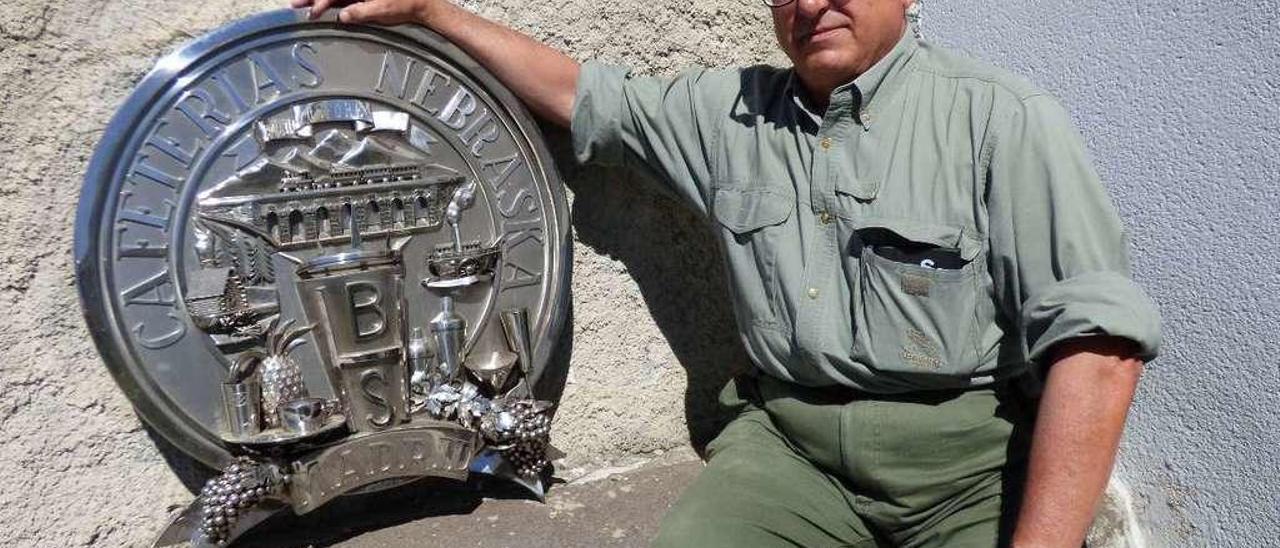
{"x": 323, "y": 257}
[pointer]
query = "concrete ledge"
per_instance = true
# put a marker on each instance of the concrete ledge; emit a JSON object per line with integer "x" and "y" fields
{"x": 619, "y": 506}
{"x": 618, "y": 510}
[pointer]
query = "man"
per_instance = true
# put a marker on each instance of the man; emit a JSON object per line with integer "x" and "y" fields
{"x": 913, "y": 239}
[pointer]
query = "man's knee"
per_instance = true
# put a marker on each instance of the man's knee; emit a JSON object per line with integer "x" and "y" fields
{"x": 695, "y": 529}
{"x": 707, "y": 514}
{"x": 681, "y": 529}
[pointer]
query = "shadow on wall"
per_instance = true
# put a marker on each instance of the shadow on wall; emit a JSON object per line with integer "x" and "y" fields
{"x": 676, "y": 263}
{"x": 192, "y": 473}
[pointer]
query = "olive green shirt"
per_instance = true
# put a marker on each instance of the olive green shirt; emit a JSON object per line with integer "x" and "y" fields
{"x": 925, "y": 152}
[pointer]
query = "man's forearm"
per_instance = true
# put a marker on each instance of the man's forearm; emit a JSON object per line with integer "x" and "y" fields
{"x": 1082, "y": 412}
{"x": 545, "y": 79}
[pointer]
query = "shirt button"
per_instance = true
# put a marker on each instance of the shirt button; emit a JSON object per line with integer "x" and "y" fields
{"x": 825, "y": 143}
{"x": 813, "y": 292}
{"x": 824, "y": 217}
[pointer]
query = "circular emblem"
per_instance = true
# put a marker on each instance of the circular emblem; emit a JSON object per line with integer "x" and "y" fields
{"x": 297, "y": 229}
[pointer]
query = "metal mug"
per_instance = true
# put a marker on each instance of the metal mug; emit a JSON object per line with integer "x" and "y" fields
{"x": 303, "y": 416}
{"x": 242, "y": 407}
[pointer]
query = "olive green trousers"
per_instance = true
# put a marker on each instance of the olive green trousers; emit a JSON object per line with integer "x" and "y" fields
{"x": 826, "y": 468}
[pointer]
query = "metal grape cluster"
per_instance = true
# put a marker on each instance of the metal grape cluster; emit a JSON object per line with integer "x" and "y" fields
{"x": 243, "y": 485}
{"x": 522, "y": 433}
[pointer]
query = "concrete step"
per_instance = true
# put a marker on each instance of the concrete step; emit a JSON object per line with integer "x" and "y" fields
{"x": 618, "y": 510}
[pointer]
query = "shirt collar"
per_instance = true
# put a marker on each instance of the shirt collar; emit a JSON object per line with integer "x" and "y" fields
{"x": 882, "y": 75}
{"x": 801, "y": 99}
{"x": 879, "y": 79}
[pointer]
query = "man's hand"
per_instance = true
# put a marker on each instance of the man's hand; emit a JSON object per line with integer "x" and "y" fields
{"x": 378, "y": 12}
{"x": 545, "y": 79}
{"x": 1086, "y": 398}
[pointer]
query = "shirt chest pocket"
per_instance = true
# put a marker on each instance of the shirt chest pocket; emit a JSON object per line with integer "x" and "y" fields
{"x": 752, "y": 219}
{"x": 922, "y": 302}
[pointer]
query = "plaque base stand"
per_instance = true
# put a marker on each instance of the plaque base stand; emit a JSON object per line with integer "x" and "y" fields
{"x": 309, "y": 481}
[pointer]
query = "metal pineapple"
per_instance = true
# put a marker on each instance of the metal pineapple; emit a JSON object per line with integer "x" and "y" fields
{"x": 281, "y": 377}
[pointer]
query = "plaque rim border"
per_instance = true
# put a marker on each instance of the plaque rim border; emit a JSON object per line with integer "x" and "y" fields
{"x": 153, "y": 406}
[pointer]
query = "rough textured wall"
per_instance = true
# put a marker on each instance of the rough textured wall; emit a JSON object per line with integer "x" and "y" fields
{"x": 1180, "y": 105}
{"x": 1177, "y": 103}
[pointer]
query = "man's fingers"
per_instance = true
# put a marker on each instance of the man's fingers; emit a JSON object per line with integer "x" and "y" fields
{"x": 318, "y": 7}
{"x": 386, "y": 12}
{"x": 375, "y": 11}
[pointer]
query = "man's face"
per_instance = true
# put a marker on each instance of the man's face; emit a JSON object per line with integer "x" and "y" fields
{"x": 838, "y": 38}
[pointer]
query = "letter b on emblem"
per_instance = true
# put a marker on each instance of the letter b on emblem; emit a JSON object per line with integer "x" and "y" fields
{"x": 358, "y": 313}
{"x": 367, "y": 316}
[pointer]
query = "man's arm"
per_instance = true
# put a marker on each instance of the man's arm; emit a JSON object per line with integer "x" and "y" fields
{"x": 1061, "y": 268}
{"x": 1082, "y": 412}
{"x": 542, "y": 77}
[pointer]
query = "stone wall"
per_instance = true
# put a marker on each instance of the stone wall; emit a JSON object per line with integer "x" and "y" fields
{"x": 1177, "y": 102}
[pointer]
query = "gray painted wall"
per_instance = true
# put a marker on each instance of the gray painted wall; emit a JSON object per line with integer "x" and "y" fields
{"x": 1177, "y": 101}
{"x": 1180, "y": 105}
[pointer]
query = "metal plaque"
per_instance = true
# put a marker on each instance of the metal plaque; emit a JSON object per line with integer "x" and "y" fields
{"x": 300, "y": 241}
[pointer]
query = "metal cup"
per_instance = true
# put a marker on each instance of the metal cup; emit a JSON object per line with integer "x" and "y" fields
{"x": 492, "y": 368}
{"x": 302, "y": 416}
{"x": 515, "y": 326}
{"x": 242, "y": 407}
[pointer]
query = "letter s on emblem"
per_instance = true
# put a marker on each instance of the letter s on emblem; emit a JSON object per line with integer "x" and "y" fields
{"x": 374, "y": 386}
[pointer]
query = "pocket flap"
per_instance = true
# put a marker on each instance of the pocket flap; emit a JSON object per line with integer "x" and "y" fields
{"x": 933, "y": 234}
{"x": 746, "y": 209}
{"x": 862, "y": 188}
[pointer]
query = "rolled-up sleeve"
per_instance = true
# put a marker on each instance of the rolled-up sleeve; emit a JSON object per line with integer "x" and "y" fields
{"x": 1059, "y": 257}
{"x": 667, "y": 127}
